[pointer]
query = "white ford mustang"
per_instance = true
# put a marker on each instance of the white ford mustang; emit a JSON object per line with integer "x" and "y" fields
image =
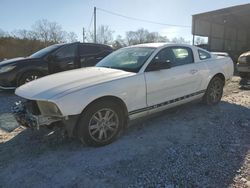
{"x": 95, "y": 103}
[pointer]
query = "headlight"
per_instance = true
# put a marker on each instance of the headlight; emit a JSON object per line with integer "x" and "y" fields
{"x": 7, "y": 68}
{"x": 48, "y": 108}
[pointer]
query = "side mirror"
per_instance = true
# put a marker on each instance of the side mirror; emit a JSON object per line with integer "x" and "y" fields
{"x": 158, "y": 65}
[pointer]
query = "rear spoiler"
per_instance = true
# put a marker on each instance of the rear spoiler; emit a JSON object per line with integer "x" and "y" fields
{"x": 224, "y": 54}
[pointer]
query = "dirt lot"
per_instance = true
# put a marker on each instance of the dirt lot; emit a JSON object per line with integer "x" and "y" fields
{"x": 190, "y": 146}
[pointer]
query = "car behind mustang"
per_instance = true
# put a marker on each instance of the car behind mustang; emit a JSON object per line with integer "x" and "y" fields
{"x": 95, "y": 103}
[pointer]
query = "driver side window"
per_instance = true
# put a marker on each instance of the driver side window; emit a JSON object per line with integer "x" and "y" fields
{"x": 164, "y": 56}
{"x": 177, "y": 56}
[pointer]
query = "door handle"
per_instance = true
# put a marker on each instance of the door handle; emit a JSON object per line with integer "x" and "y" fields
{"x": 99, "y": 58}
{"x": 71, "y": 63}
{"x": 193, "y": 71}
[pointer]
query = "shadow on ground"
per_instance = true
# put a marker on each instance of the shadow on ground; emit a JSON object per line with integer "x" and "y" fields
{"x": 193, "y": 146}
{"x": 7, "y": 100}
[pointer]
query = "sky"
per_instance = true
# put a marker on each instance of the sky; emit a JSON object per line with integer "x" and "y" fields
{"x": 73, "y": 15}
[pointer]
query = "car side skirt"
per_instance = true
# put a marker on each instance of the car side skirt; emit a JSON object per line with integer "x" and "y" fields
{"x": 165, "y": 105}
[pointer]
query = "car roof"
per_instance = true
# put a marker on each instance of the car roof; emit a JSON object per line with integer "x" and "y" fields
{"x": 152, "y": 45}
{"x": 87, "y": 43}
{"x": 160, "y": 44}
{"x": 95, "y": 44}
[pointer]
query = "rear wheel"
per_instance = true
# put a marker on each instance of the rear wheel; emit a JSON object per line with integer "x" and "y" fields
{"x": 214, "y": 91}
{"x": 100, "y": 123}
{"x": 28, "y": 77}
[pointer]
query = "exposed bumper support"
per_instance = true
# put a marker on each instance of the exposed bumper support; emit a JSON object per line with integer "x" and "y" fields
{"x": 27, "y": 119}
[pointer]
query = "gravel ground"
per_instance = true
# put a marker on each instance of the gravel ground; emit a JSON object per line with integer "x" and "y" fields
{"x": 190, "y": 146}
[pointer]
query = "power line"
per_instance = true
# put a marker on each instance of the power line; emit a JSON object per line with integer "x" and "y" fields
{"x": 141, "y": 20}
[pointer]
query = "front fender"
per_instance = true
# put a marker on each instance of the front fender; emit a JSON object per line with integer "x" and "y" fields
{"x": 131, "y": 90}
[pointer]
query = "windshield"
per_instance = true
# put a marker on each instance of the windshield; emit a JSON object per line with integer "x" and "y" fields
{"x": 45, "y": 51}
{"x": 127, "y": 59}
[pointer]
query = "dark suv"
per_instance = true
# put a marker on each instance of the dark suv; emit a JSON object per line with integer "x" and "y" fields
{"x": 55, "y": 58}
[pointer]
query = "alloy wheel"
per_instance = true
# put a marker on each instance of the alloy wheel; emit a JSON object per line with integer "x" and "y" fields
{"x": 103, "y": 125}
{"x": 31, "y": 78}
{"x": 216, "y": 91}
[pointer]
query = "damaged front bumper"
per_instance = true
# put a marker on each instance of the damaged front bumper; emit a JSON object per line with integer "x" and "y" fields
{"x": 25, "y": 118}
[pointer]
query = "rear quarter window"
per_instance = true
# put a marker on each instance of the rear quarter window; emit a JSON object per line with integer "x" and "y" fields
{"x": 203, "y": 55}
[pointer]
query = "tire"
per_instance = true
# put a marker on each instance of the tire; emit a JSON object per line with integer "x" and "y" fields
{"x": 214, "y": 91}
{"x": 101, "y": 123}
{"x": 244, "y": 75}
{"x": 28, "y": 77}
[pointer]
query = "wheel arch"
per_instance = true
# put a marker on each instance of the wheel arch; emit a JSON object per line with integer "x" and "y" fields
{"x": 100, "y": 99}
{"x": 205, "y": 97}
{"x": 221, "y": 76}
{"x": 116, "y": 99}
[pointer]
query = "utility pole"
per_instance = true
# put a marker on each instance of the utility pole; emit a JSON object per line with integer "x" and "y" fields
{"x": 94, "y": 24}
{"x": 83, "y": 35}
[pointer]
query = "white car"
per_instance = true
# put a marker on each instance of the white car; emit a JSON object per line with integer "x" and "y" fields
{"x": 95, "y": 103}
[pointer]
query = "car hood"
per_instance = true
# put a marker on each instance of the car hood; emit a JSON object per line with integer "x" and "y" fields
{"x": 60, "y": 84}
{"x": 15, "y": 60}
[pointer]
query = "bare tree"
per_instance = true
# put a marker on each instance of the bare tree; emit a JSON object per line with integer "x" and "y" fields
{"x": 104, "y": 35}
{"x": 23, "y": 34}
{"x": 119, "y": 42}
{"x": 72, "y": 37}
{"x": 49, "y": 31}
{"x": 199, "y": 41}
{"x": 156, "y": 37}
{"x": 131, "y": 38}
{"x": 56, "y": 34}
{"x": 144, "y": 36}
{"x": 179, "y": 40}
{"x": 24, "y": 42}
{"x": 41, "y": 30}
{"x": 137, "y": 37}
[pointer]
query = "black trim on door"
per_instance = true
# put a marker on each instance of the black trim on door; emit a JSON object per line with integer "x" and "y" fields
{"x": 166, "y": 103}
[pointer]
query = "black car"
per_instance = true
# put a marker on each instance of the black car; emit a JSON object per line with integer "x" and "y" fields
{"x": 55, "y": 58}
{"x": 243, "y": 65}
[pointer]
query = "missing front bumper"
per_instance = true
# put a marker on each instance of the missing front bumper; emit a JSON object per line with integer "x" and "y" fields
{"x": 27, "y": 119}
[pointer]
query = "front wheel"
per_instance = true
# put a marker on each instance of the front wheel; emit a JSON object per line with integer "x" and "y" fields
{"x": 100, "y": 124}
{"x": 214, "y": 91}
{"x": 28, "y": 77}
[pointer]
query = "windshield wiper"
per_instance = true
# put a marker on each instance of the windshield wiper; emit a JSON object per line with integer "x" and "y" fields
{"x": 106, "y": 67}
{"x": 119, "y": 68}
